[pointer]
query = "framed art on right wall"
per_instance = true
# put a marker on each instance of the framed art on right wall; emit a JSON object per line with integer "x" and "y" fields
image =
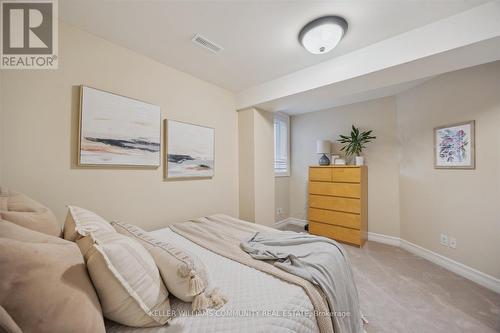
{"x": 454, "y": 146}
{"x": 189, "y": 150}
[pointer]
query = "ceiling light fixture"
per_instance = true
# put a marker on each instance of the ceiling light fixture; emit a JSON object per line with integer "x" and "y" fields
{"x": 322, "y": 34}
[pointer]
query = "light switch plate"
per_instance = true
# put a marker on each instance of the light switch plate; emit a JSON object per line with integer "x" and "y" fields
{"x": 453, "y": 242}
{"x": 443, "y": 240}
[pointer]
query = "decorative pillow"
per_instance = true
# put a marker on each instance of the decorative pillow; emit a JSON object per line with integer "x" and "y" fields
{"x": 44, "y": 285}
{"x": 126, "y": 279}
{"x": 80, "y": 222}
{"x": 21, "y": 210}
{"x": 184, "y": 273}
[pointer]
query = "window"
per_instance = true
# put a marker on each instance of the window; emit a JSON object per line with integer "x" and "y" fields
{"x": 281, "y": 145}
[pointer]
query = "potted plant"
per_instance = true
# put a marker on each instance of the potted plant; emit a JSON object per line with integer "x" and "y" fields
{"x": 355, "y": 143}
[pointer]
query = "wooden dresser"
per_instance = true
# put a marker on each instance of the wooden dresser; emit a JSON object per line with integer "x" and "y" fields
{"x": 338, "y": 203}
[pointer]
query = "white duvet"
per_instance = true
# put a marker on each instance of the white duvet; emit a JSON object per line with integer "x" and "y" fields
{"x": 258, "y": 302}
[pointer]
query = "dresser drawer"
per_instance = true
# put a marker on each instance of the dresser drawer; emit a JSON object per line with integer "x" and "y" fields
{"x": 335, "y": 203}
{"x": 335, "y": 189}
{"x": 320, "y": 174}
{"x": 338, "y": 233}
{"x": 335, "y": 218}
{"x": 346, "y": 175}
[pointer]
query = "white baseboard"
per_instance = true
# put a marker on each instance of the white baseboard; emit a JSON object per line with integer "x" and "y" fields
{"x": 291, "y": 220}
{"x": 456, "y": 267}
{"x": 380, "y": 238}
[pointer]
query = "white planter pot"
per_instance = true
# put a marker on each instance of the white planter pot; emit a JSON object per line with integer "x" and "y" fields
{"x": 360, "y": 160}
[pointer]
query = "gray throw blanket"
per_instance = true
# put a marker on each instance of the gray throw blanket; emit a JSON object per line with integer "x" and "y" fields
{"x": 321, "y": 261}
{"x": 223, "y": 234}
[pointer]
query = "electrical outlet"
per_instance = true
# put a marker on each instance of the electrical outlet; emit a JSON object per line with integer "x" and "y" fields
{"x": 453, "y": 242}
{"x": 279, "y": 211}
{"x": 444, "y": 240}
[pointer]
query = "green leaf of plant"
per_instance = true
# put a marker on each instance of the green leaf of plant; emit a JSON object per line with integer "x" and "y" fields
{"x": 356, "y": 142}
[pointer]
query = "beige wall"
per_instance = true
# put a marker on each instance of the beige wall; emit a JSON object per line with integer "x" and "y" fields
{"x": 282, "y": 197}
{"x": 256, "y": 146}
{"x": 461, "y": 203}
{"x": 40, "y": 109}
{"x": 264, "y": 167}
{"x": 246, "y": 164}
{"x": 1, "y": 128}
{"x": 381, "y": 157}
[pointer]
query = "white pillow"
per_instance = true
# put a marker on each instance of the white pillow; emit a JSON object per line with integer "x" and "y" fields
{"x": 126, "y": 279}
{"x": 184, "y": 273}
{"x": 80, "y": 222}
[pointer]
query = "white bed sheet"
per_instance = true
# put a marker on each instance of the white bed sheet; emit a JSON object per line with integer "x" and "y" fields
{"x": 258, "y": 295}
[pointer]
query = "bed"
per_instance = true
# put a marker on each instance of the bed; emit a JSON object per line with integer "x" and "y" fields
{"x": 255, "y": 299}
{"x": 261, "y": 297}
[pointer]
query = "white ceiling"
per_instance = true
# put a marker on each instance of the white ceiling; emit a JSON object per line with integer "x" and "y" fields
{"x": 259, "y": 37}
{"x": 466, "y": 39}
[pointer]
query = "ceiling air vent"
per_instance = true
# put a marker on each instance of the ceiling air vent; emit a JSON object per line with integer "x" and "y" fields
{"x": 206, "y": 44}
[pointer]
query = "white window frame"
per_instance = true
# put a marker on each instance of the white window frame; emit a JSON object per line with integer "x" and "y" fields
{"x": 286, "y": 119}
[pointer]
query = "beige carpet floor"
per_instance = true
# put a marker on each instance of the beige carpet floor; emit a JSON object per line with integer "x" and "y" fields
{"x": 401, "y": 292}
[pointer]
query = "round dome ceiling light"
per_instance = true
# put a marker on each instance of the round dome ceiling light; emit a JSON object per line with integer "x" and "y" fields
{"x": 322, "y": 34}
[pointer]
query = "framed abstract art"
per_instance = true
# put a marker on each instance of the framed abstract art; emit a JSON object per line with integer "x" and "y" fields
{"x": 118, "y": 131}
{"x": 454, "y": 146}
{"x": 190, "y": 150}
